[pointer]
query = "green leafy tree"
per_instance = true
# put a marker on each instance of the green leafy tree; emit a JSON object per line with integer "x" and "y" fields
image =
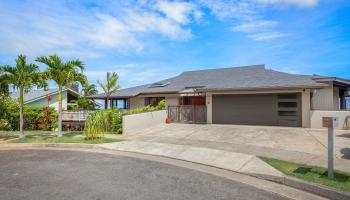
{"x": 110, "y": 87}
{"x": 84, "y": 103}
{"x": 23, "y": 77}
{"x": 4, "y": 86}
{"x": 64, "y": 74}
{"x": 89, "y": 89}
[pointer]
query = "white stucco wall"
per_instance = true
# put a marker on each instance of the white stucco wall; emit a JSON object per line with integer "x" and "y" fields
{"x": 136, "y": 122}
{"x": 305, "y": 108}
{"x": 53, "y": 102}
{"x": 209, "y": 104}
{"x": 316, "y": 117}
{"x": 172, "y": 101}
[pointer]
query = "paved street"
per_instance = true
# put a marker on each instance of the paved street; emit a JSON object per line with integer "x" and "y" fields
{"x": 307, "y": 146}
{"x": 51, "y": 174}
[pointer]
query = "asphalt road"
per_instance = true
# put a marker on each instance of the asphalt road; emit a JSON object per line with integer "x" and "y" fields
{"x": 52, "y": 174}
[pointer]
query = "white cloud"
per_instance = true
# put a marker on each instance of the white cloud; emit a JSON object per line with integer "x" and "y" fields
{"x": 143, "y": 22}
{"x": 231, "y": 9}
{"x": 267, "y": 36}
{"x": 300, "y": 3}
{"x": 178, "y": 11}
{"x": 254, "y": 26}
{"x": 45, "y": 27}
{"x": 112, "y": 33}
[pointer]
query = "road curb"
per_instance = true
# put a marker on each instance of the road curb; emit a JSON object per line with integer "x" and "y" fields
{"x": 314, "y": 188}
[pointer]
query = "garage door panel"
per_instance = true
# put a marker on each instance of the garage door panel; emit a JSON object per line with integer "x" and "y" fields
{"x": 258, "y": 109}
{"x": 245, "y": 109}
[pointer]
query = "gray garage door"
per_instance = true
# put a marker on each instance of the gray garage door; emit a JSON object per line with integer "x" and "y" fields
{"x": 257, "y": 109}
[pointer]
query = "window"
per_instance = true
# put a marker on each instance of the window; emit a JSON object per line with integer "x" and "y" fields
{"x": 153, "y": 101}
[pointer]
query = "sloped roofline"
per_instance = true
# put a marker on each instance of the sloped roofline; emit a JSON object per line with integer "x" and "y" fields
{"x": 52, "y": 93}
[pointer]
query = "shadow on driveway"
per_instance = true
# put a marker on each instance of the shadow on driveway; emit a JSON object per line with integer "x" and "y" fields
{"x": 346, "y": 153}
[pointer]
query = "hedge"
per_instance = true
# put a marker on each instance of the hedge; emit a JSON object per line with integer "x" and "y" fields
{"x": 35, "y": 117}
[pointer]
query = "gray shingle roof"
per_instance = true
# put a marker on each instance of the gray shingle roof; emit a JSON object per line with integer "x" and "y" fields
{"x": 37, "y": 94}
{"x": 234, "y": 78}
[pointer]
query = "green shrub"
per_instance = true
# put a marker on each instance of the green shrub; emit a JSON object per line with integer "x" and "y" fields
{"x": 46, "y": 119}
{"x": 32, "y": 116}
{"x": 103, "y": 121}
{"x": 97, "y": 123}
{"x": 5, "y": 125}
{"x": 8, "y": 108}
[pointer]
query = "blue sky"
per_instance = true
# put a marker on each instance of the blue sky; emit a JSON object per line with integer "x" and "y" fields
{"x": 145, "y": 41}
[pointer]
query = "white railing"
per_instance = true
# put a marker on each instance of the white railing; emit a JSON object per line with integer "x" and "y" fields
{"x": 75, "y": 116}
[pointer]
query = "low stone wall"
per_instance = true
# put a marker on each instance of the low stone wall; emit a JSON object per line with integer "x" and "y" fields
{"x": 140, "y": 121}
{"x": 316, "y": 117}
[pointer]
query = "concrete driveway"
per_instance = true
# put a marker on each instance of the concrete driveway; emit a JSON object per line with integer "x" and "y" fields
{"x": 294, "y": 144}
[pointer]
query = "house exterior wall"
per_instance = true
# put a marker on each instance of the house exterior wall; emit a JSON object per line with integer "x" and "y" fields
{"x": 325, "y": 98}
{"x": 139, "y": 101}
{"x": 172, "y": 101}
{"x": 316, "y": 118}
{"x": 305, "y": 108}
{"x": 336, "y": 103}
{"x": 53, "y": 102}
{"x": 209, "y": 104}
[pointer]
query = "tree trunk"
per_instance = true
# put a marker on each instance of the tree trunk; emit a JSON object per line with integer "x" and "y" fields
{"x": 107, "y": 103}
{"x": 110, "y": 104}
{"x": 21, "y": 110}
{"x": 59, "y": 112}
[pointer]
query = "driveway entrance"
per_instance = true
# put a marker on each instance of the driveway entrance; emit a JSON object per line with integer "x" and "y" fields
{"x": 294, "y": 144}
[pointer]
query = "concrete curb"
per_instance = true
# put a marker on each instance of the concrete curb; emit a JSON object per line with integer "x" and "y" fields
{"x": 317, "y": 189}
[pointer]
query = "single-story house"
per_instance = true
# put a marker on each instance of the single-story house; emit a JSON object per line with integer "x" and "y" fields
{"x": 249, "y": 95}
{"x": 48, "y": 97}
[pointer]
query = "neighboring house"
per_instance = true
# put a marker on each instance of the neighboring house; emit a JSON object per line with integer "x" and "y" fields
{"x": 251, "y": 95}
{"x": 41, "y": 97}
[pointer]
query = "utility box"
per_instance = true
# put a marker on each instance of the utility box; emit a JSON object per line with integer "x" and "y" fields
{"x": 330, "y": 122}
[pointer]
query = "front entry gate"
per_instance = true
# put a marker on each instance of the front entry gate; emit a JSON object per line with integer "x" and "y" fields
{"x": 194, "y": 114}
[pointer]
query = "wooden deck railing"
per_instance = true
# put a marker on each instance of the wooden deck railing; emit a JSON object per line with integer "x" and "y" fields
{"x": 75, "y": 116}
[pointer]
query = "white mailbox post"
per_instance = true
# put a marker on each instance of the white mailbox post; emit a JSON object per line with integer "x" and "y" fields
{"x": 330, "y": 123}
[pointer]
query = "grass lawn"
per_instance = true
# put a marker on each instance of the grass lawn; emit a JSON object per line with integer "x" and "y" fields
{"x": 311, "y": 173}
{"x": 36, "y": 132}
{"x": 64, "y": 139}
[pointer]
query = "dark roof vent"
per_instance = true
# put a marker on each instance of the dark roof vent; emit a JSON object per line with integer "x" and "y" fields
{"x": 159, "y": 84}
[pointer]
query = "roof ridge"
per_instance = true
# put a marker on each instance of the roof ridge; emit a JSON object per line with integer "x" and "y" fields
{"x": 258, "y": 66}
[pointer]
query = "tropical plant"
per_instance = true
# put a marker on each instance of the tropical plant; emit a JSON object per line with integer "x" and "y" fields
{"x": 64, "y": 74}
{"x": 23, "y": 77}
{"x": 103, "y": 121}
{"x": 97, "y": 124}
{"x": 84, "y": 103}
{"x": 4, "y": 87}
{"x": 9, "y": 111}
{"x": 46, "y": 119}
{"x": 110, "y": 87}
{"x": 89, "y": 89}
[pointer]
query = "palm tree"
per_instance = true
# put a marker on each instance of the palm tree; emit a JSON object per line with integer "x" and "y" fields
{"x": 64, "y": 74}
{"x": 89, "y": 89}
{"x": 4, "y": 87}
{"x": 23, "y": 77}
{"x": 110, "y": 87}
